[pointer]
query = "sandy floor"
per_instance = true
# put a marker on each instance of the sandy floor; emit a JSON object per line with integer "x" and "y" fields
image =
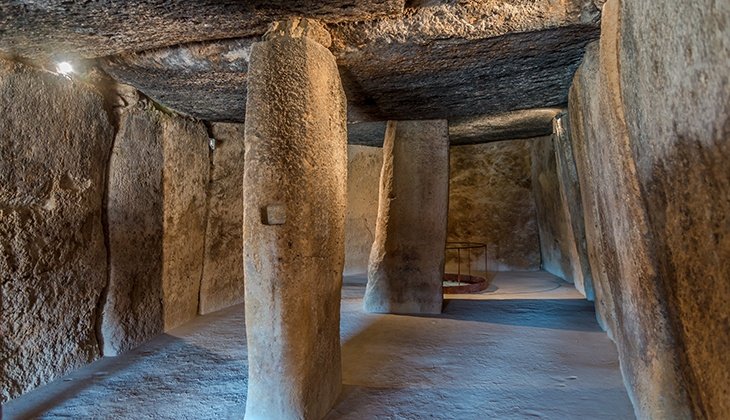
{"x": 527, "y": 348}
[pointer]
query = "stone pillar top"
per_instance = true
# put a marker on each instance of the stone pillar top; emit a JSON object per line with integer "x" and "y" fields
{"x": 297, "y": 27}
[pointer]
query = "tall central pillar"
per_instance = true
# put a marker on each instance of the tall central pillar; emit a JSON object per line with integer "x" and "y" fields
{"x": 405, "y": 272}
{"x": 295, "y": 175}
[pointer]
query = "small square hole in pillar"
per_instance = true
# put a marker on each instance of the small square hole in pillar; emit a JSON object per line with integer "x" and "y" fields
{"x": 273, "y": 214}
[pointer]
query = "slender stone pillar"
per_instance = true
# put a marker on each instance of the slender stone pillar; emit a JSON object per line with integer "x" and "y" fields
{"x": 295, "y": 177}
{"x": 406, "y": 267}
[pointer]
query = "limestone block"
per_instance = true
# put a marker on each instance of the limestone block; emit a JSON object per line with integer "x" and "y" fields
{"x": 571, "y": 198}
{"x": 676, "y": 99}
{"x": 296, "y": 157}
{"x": 625, "y": 258}
{"x": 222, "y": 283}
{"x": 491, "y": 201}
{"x": 55, "y": 138}
{"x": 406, "y": 265}
{"x": 158, "y": 175}
{"x": 363, "y": 175}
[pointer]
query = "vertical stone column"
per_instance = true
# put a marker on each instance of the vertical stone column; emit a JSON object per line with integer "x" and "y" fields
{"x": 405, "y": 272}
{"x": 295, "y": 173}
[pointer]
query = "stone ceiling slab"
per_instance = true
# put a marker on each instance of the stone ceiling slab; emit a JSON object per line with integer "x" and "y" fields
{"x": 56, "y": 28}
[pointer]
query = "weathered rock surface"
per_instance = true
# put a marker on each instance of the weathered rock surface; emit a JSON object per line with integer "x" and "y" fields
{"x": 655, "y": 188}
{"x": 56, "y": 28}
{"x": 491, "y": 201}
{"x": 556, "y": 233}
{"x": 570, "y": 196}
{"x": 515, "y": 125}
{"x": 676, "y": 99}
{"x": 158, "y": 175}
{"x": 185, "y": 177}
{"x": 55, "y": 138}
{"x": 517, "y": 55}
{"x": 406, "y": 265}
{"x": 294, "y": 220}
{"x": 363, "y": 179}
{"x": 135, "y": 212}
{"x": 222, "y": 283}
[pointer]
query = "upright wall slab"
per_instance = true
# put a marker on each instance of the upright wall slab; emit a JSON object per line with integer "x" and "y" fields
{"x": 649, "y": 117}
{"x": 406, "y": 267}
{"x": 295, "y": 175}
{"x": 158, "y": 175}
{"x": 222, "y": 283}
{"x": 55, "y": 138}
{"x": 559, "y": 212}
{"x": 491, "y": 201}
{"x": 363, "y": 178}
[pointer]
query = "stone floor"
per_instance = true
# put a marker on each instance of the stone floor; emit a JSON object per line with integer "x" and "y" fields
{"x": 527, "y": 347}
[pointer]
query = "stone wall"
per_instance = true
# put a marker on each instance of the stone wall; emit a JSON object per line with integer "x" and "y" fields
{"x": 491, "y": 201}
{"x": 363, "y": 177}
{"x": 559, "y": 212}
{"x": 55, "y": 138}
{"x": 222, "y": 283}
{"x": 649, "y": 117}
{"x": 158, "y": 175}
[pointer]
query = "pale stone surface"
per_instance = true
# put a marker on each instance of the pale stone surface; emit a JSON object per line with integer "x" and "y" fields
{"x": 55, "y": 139}
{"x": 185, "y": 179}
{"x": 406, "y": 265}
{"x": 570, "y": 196}
{"x": 630, "y": 215}
{"x": 133, "y": 307}
{"x": 158, "y": 175}
{"x": 363, "y": 171}
{"x": 531, "y": 353}
{"x": 558, "y": 240}
{"x": 222, "y": 283}
{"x": 296, "y": 156}
{"x": 676, "y": 98}
{"x": 491, "y": 201}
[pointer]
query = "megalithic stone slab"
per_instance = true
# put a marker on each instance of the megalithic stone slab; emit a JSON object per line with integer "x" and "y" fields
{"x": 405, "y": 271}
{"x": 295, "y": 175}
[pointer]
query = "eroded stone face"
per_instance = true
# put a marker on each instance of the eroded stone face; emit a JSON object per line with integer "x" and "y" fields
{"x": 363, "y": 179}
{"x": 55, "y": 138}
{"x": 105, "y": 28}
{"x": 406, "y": 265}
{"x": 296, "y": 159}
{"x": 158, "y": 176}
{"x": 514, "y": 55}
{"x": 491, "y": 201}
{"x": 222, "y": 283}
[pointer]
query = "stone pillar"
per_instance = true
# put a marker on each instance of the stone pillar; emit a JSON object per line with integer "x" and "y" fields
{"x": 406, "y": 267}
{"x": 295, "y": 176}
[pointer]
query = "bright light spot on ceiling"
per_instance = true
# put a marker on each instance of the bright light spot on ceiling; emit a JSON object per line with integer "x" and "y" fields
{"x": 65, "y": 68}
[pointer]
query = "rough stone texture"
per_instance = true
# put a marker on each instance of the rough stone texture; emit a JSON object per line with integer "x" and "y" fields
{"x": 185, "y": 178}
{"x": 570, "y": 196}
{"x": 294, "y": 220}
{"x": 517, "y": 55}
{"x": 406, "y": 265}
{"x": 55, "y": 138}
{"x": 363, "y": 170}
{"x": 222, "y": 283}
{"x": 515, "y": 125}
{"x": 491, "y": 201}
{"x": 101, "y": 28}
{"x": 156, "y": 209}
{"x": 656, "y": 184}
{"x": 559, "y": 244}
{"x": 133, "y": 308}
{"x": 675, "y": 89}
